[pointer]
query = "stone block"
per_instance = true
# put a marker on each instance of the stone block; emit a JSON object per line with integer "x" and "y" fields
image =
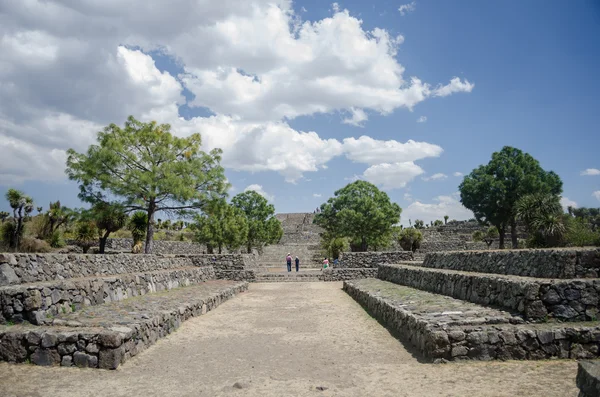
{"x": 110, "y": 358}
{"x": 12, "y": 347}
{"x": 49, "y": 340}
{"x": 83, "y": 360}
{"x": 45, "y": 357}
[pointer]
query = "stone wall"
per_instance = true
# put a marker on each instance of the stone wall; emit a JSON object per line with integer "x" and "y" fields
{"x": 344, "y": 274}
{"x": 355, "y": 260}
{"x": 588, "y": 378}
{"x": 438, "y": 342}
{"x": 98, "y": 347}
{"x": 37, "y": 303}
{"x": 536, "y": 299}
{"x": 159, "y": 246}
{"x": 542, "y": 263}
{"x": 29, "y": 268}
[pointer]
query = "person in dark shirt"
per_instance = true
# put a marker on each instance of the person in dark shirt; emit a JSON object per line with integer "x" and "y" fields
{"x": 297, "y": 263}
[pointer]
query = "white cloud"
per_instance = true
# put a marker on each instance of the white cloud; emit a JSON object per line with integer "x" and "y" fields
{"x": 253, "y": 64}
{"x": 317, "y": 195}
{"x": 372, "y": 151}
{"x": 456, "y": 85}
{"x": 596, "y": 194}
{"x": 259, "y": 189}
{"x": 441, "y": 205}
{"x": 422, "y": 119}
{"x": 406, "y": 8}
{"x": 358, "y": 118}
{"x": 407, "y": 197}
{"x": 565, "y": 202}
{"x": 335, "y": 7}
{"x": 591, "y": 172}
{"x": 435, "y": 177}
{"x": 392, "y": 176}
{"x": 458, "y": 174}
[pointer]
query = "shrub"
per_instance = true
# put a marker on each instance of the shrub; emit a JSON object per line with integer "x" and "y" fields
{"x": 86, "y": 235}
{"x": 410, "y": 239}
{"x": 580, "y": 234}
{"x": 56, "y": 240}
{"x": 30, "y": 244}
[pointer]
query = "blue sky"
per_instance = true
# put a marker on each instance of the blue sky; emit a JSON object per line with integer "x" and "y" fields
{"x": 533, "y": 66}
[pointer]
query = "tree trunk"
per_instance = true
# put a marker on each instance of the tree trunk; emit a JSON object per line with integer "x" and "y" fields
{"x": 103, "y": 242}
{"x": 363, "y": 245}
{"x": 150, "y": 228}
{"x": 513, "y": 234}
{"x": 501, "y": 233}
{"x": 220, "y": 249}
{"x": 19, "y": 229}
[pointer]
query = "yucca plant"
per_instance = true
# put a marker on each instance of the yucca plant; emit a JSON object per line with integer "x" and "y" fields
{"x": 138, "y": 224}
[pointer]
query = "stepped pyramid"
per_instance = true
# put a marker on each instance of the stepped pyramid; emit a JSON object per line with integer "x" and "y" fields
{"x": 300, "y": 238}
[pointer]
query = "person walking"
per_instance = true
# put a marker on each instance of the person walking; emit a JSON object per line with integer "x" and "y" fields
{"x": 325, "y": 263}
{"x": 297, "y": 264}
{"x": 288, "y": 259}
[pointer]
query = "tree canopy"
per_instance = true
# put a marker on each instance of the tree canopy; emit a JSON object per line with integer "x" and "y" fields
{"x": 263, "y": 227}
{"x": 492, "y": 191}
{"x": 148, "y": 169}
{"x": 221, "y": 224}
{"x": 362, "y": 213}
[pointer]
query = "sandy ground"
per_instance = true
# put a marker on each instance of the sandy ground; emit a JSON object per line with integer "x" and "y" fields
{"x": 289, "y": 339}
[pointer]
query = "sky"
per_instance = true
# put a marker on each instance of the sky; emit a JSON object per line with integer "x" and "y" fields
{"x": 305, "y": 97}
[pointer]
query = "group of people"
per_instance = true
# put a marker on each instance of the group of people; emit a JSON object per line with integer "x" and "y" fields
{"x": 288, "y": 260}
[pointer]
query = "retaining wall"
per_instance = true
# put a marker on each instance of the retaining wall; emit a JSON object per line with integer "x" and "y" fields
{"x": 355, "y": 260}
{"x": 540, "y": 263}
{"x": 347, "y": 274}
{"x": 537, "y": 299}
{"x": 502, "y": 342}
{"x": 164, "y": 247}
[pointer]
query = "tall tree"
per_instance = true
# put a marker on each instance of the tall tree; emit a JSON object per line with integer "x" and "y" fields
{"x": 221, "y": 225}
{"x": 56, "y": 216}
{"x": 22, "y": 206}
{"x": 491, "y": 191}
{"x": 109, "y": 218}
{"x": 360, "y": 212}
{"x": 149, "y": 169}
{"x": 263, "y": 227}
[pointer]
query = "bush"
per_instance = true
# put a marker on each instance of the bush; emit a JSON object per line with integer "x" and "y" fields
{"x": 86, "y": 235}
{"x": 56, "y": 240}
{"x": 580, "y": 234}
{"x": 410, "y": 239}
{"x": 34, "y": 245}
{"x": 7, "y": 230}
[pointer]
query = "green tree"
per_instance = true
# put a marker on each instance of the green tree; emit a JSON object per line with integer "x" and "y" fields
{"x": 149, "y": 169}
{"x": 543, "y": 217}
{"x": 362, "y": 213}
{"x": 39, "y": 210}
{"x": 419, "y": 224}
{"x": 4, "y": 215}
{"x": 490, "y": 234}
{"x": 491, "y": 191}
{"x": 410, "y": 239}
{"x": 22, "y": 206}
{"x": 56, "y": 216}
{"x": 86, "y": 234}
{"x": 438, "y": 223}
{"x": 109, "y": 218}
{"x": 263, "y": 227}
{"x": 221, "y": 225}
{"x": 137, "y": 225}
{"x": 446, "y": 219}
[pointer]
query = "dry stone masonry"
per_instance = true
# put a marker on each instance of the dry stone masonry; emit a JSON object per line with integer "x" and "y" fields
{"x": 99, "y": 310}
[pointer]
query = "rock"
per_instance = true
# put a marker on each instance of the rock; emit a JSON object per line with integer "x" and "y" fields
{"x": 18, "y": 306}
{"x": 459, "y": 351}
{"x": 49, "y": 340}
{"x": 66, "y": 361}
{"x": 545, "y": 337}
{"x": 92, "y": 348}
{"x": 7, "y": 273}
{"x": 240, "y": 385}
{"x": 572, "y": 294}
{"x": 34, "y": 300}
{"x": 66, "y": 348}
{"x": 34, "y": 338}
{"x": 45, "y": 357}
{"x": 536, "y": 310}
{"x": 551, "y": 297}
{"x": 456, "y": 335}
{"x": 563, "y": 312}
{"x": 112, "y": 339}
{"x": 37, "y": 317}
{"x": 12, "y": 348}
{"x": 69, "y": 337}
{"x": 110, "y": 358}
{"x": 83, "y": 360}
{"x": 321, "y": 388}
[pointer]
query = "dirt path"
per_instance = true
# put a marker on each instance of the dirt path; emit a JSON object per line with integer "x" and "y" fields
{"x": 288, "y": 339}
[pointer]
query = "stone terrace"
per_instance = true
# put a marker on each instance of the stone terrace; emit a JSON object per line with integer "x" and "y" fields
{"x": 540, "y": 317}
{"x": 99, "y": 310}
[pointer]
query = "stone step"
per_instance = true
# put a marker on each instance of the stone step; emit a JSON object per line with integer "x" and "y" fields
{"x": 444, "y": 328}
{"x": 105, "y": 336}
{"x": 536, "y": 298}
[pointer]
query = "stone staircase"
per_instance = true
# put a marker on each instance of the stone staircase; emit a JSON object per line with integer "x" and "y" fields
{"x": 486, "y": 305}
{"x": 293, "y": 276}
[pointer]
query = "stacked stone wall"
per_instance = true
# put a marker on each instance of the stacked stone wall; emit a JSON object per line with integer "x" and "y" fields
{"x": 163, "y": 247}
{"x": 503, "y": 342}
{"x": 536, "y": 299}
{"x": 546, "y": 263}
{"x": 355, "y": 260}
